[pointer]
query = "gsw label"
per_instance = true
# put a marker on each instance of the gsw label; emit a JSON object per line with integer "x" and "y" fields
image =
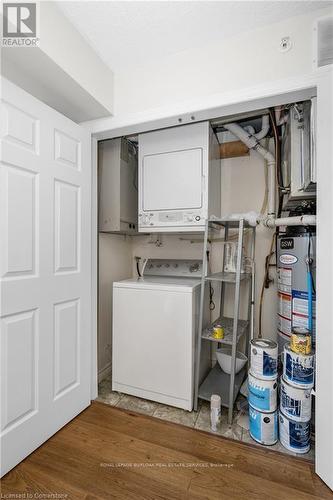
{"x": 287, "y": 243}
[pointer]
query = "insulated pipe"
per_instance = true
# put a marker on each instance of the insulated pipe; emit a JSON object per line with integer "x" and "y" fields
{"x": 252, "y": 142}
{"x": 278, "y": 119}
{"x": 302, "y": 220}
{"x": 264, "y": 128}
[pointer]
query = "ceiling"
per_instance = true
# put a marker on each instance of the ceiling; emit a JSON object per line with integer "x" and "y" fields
{"x": 123, "y": 32}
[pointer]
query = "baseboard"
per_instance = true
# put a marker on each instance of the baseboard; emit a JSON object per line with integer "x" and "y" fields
{"x": 104, "y": 372}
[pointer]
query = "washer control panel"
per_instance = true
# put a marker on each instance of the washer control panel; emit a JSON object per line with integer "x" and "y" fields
{"x": 173, "y": 267}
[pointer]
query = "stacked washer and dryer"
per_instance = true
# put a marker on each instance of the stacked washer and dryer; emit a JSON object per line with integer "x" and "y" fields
{"x": 155, "y": 316}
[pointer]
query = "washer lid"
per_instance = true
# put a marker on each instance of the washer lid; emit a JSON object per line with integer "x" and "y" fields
{"x": 160, "y": 283}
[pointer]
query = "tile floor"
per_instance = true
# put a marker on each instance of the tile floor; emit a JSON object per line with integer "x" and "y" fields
{"x": 198, "y": 420}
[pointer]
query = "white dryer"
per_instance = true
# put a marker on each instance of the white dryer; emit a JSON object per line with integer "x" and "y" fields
{"x": 155, "y": 321}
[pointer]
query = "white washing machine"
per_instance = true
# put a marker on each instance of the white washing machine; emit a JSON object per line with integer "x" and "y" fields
{"x": 155, "y": 321}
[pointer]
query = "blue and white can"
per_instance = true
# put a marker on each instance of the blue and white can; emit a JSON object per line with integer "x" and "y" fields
{"x": 295, "y": 402}
{"x": 298, "y": 368}
{"x": 294, "y": 436}
{"x": 263, "y": 426}
{"x": 262, "y": 393}
{"x": 264, "y": 354}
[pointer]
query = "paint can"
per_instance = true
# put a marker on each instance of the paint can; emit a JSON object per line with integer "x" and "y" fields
{"x": 218, "y": 332}
{"x": 263, "y": 426}
{"x": 298, "y": 369}
{"x": 295, "y": 402}
{"x": 264, "y": 354}
{"x": 294, "y": 436}
{"x": 262, "y": 394}
{"x": 300, "y": 341}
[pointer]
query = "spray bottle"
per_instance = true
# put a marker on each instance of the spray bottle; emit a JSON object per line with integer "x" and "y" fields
{"x": 215, "y": 411}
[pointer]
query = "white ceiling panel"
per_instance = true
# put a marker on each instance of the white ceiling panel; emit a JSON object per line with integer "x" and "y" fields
{"x": 123, "y": 32}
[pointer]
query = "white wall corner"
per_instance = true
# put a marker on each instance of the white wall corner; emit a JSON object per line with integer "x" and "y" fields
{"x": 63, "y": 71}
{"x": 61, "y": 41}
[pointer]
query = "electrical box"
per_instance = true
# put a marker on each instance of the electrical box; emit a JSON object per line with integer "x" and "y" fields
{"x": 118, "y": 192}
{"x": 179, "y": 178}
{"x": 298, "y": 154}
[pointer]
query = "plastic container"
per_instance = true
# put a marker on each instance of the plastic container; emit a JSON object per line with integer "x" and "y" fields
{"x": 224, "y": 359}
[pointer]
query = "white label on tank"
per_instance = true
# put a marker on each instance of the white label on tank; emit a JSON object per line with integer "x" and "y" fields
{"x": 284, "y": 325}
{"x": 287, "y": 258}
{"x": 284, "y": 276}
{"x": 300, "y": 321}
{"x": 285, "y": 305}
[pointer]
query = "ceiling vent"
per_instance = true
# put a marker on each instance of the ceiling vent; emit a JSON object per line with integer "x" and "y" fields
{"x": 323, "y": 33}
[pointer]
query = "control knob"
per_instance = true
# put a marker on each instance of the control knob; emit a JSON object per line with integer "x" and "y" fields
{"x": 194, "y": 267}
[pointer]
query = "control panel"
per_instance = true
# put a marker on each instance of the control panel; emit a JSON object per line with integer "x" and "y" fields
{"x": 173, "y": 267}
{"x": 161, "y": 219}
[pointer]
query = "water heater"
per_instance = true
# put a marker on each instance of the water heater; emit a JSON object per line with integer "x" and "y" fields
{"x": 296, "y": 271}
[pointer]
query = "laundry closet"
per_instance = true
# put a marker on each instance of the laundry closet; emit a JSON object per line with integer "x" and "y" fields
{"x": 207, "y": 274}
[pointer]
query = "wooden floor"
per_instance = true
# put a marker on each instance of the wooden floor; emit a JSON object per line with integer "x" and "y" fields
{"x": 112, "y": 453}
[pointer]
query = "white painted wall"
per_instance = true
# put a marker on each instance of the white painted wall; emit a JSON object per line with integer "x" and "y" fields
{"x": 61, "y": 41}
{"x": 63, "y": 71}
{"x": 115, "y": 256}
{"x": 242, "y": 190}
{"x": 238, "y": 63}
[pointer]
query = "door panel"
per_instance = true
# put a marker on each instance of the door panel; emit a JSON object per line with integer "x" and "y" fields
{"x": 19, "y": 400}
{"x": 20, "y": 187}
{"x": 45, "y": 266}
{"x": 149, "y": 352}
{"x": 66, "y": 346}
{"x": 66, "y": 227}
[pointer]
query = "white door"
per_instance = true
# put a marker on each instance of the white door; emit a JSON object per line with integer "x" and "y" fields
{"x": 45, "y": 233}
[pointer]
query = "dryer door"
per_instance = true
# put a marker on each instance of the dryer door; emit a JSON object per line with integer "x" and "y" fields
{"x": 173, "y": 180}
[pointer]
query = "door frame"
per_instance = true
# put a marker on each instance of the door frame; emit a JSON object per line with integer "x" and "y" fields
{"x": 94, "y": 268}
{"x": 302, "y": 87}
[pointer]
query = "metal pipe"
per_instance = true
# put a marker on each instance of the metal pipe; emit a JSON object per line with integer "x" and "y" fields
{"x": 302, "y": 220}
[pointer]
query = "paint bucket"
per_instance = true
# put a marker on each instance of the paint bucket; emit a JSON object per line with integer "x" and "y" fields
{"x": 295, "y": 402}
{"x": 262, "y": 394}
{"x": 263, "y": 426}
{"x": 300, "y": 341}
{"x": 298, "y": 368}
{"x": 264, "y": 354}
{"x": 294, "y": 436}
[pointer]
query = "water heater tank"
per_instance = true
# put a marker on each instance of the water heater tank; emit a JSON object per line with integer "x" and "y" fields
{"x": 296, "y": 258}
